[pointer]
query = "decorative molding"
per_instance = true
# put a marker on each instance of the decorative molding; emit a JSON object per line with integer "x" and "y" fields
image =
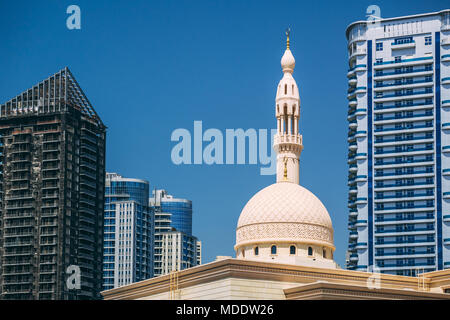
{"x": 295, "y": 232}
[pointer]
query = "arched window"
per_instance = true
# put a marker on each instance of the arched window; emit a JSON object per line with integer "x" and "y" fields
{"x": 292, "y": 89}
{"x": 243, "y": 253}
{"x": 273, "y": 250}
{"x": 285, "y": 89}
{"x": 324, "y": 253}
{"x": 310, "y": 251}
{"x": 256, "y": 250}
{"x": 292, "y": 250}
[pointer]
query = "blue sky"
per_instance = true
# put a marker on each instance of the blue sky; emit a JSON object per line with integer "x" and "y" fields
{"x": 150, "y": 67}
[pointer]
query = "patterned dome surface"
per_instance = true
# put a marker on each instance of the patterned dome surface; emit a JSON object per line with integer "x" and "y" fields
{"x": 284, "y": 211}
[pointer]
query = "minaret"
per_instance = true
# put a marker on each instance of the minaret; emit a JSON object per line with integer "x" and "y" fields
{"x": 287, "y": 142}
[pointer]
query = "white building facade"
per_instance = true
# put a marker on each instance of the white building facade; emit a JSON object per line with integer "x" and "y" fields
{"x": 175, "y": 248}
{"x": 399, "y": 144}
{"x": 128, "y": 232}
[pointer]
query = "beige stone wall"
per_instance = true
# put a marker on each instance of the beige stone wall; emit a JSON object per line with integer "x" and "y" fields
{"x": 231, "y": 289}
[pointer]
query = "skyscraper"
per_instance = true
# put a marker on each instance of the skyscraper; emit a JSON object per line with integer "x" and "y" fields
{"x": 129, "y": 232}
{"x": 175, "y": 246}
{"x": 399, "y": 144}
{"x": 52, "y": 174}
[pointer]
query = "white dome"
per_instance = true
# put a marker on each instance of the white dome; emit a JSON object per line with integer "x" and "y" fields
{"x": 284, "y": 212}
{"x": 288, "y": 61}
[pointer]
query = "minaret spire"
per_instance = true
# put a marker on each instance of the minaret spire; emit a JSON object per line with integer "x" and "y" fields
{"x": 288, "y": 141}
{"x": 288, "y": 32}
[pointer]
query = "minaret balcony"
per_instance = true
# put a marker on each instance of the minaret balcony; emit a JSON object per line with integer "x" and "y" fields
{"x": 288, "y": 138}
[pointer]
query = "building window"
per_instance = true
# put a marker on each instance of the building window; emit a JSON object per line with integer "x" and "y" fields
{"x": 273, "y": 250}
{"x": 310, "y": 251}
{"x": 324, "y": 253}
{"x": 380, "y": 46}
{"x": 398, "y": 59}
{"x": 243, "y": 253}
{"x": 428, "y": 41}
{"x": 256, "y": 250}
{"x": 292, "y": 250}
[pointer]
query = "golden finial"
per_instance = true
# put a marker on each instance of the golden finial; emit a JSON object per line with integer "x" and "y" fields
{"x": 288, "y": 32}
{"x": 285, "y": 169}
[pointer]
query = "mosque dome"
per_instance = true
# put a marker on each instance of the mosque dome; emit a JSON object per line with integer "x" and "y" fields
{"x": 284, "y": 212}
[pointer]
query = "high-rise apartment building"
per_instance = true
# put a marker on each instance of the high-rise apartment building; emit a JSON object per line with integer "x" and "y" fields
{"x": 52, "y": 174}
{"x": 175, "y": 246}
{"x": 129, "y": 232}
{"x": 399, "y": 144}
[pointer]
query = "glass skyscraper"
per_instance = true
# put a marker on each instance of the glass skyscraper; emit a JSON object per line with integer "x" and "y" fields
{"x": 175, "y": 246}
{"x": 399, "y": 144}
{"x": 128, "y": 232}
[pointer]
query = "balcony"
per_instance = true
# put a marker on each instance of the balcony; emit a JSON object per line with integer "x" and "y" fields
{"x": 362, "y": 200}
{"x": 446, "y": 195}
{"x": 381, "y": 74}
{"x": 398, "y": 63}
{"x": 446, "y": 57}
{"x": 361, "y": 245}
{"x": 403, "y": 44}
{"x": 362, "y": 156}
{"x": 353, "y": 235}
{"x": 361, "y": 223}
{"x": 352, "y": 81}
{"x": 445, "y": 103}
{"x": 445, "y": 80}
{"x": 446, "y": 149}
{"x": 354, "y": 257}
{"x": 352, "y": 102}
{"x": 446, "y": 218}
{"x": 361, "y": 178}
{"x": 358, "y": 52}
